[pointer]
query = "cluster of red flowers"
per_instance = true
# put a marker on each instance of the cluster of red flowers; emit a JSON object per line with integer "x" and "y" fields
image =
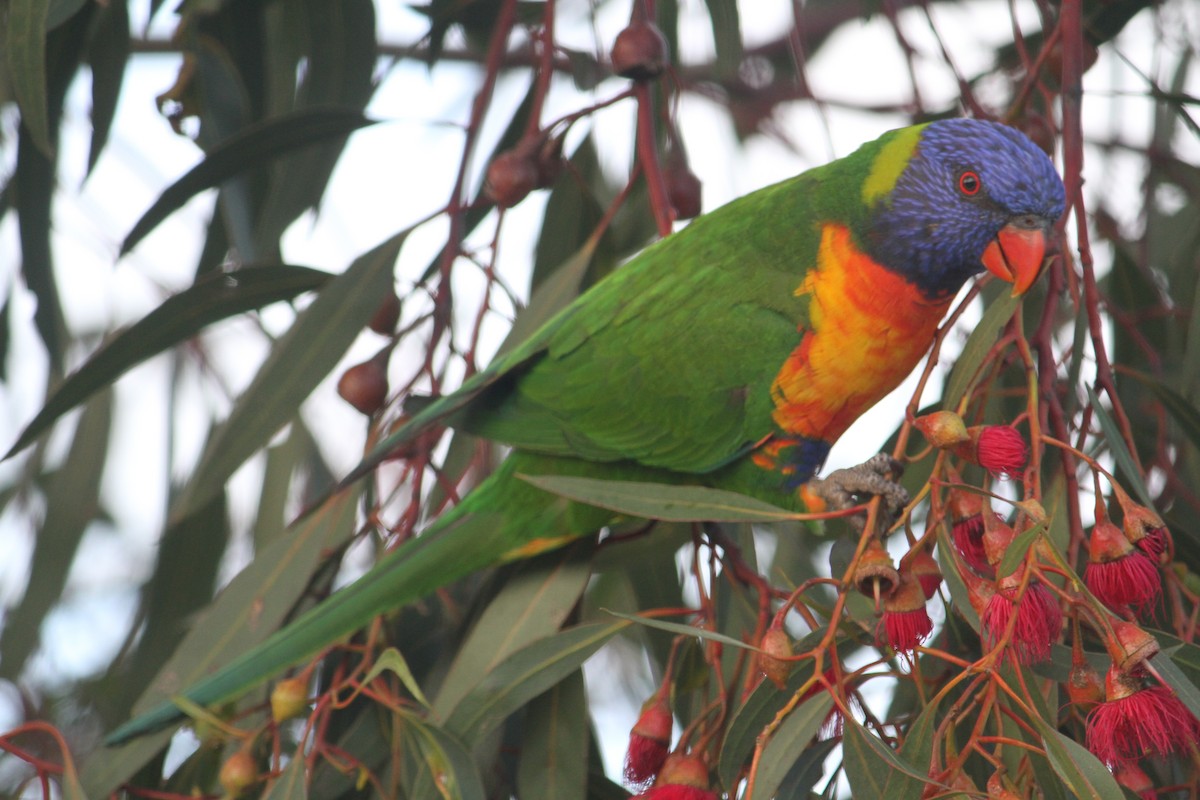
{"x": 650, "y": 766}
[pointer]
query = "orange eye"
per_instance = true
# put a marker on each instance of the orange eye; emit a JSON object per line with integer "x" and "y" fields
{"x": 969, "y": 183}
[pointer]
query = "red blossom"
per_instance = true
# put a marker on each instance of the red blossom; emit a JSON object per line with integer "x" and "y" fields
{"x": 673, "y": 791}
{"x": 966, "y": 520}
{"x": 1118, "y": 574}
{"x": 1135, "y": 779}
{"x": 1038, "y": 619}
{"x": 1145, "y": 529}
{"x": 648, "y": 741}
{"x": 999, "y": 449}
{"x": 904, "y": 615}
{"x": 1137, "y": 721}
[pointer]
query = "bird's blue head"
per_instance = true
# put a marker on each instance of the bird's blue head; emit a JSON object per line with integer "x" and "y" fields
{"x": 953, "y": 197}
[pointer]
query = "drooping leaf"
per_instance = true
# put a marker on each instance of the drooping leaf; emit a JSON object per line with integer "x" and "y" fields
{"x": 246, "y": 612}
{"x": 1082, "y": 772}
{"x": 871, "y": 765}
{"x": 662, "y": 501}
{"x": 180, "y": 317}
{"x": 553, "y": 758}
{"x": 445, "y": 757}
{"x": 72, "y": 502}
{"x": 1115, "y": 442}
{"x": 107, "y": 56}
{"x": 524, "y": 675}
{"x": 25, "y": 45}
{"x": 966, "y": 371}
{"x": 793, "y": 736}
{"x": 298, "y": 361}
{"x": 534, "y": 603}
{"x": 247, "y": 149}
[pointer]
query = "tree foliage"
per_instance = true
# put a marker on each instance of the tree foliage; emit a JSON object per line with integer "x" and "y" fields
{"x": 778, "y": 662}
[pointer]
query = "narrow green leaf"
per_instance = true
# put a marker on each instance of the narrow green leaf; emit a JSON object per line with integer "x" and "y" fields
{"x": 1186, "y": 415}
{"x": 1116, "y": 445}
{"x": 965, "y": 373}
{"x": 292, "y": 783}
{"x": 960, "y": 597}
{"x": 72, "y": 502}
{"x": 918, "y": 751}
{"x": 252, "y": 147}
{"x": 754, "y": 714}
{"x": 26, "y": 46}
{"x": 534, "y": 604}
{"x": 524, "y": 675}
{"x": 298, "y": 361}
{"x": 554, "y": 747}
{"x": 662, "y": 501}
{"x": 679, "y": 629}
{"x": 1015, "y": 554}
{"x": 727, "y": 35}
{"x": 393, "y": 661}
{"x": 247, "y": 612}
{"x": 446, "y": 758}
{"x": 793, "y": 736}
{"x": 870, "y": 764}
{"x": 1178, "y": 681}
{"x": 212, "y": 298}
{"x": 1081, "y": 771}
{"x": 107, "y": 56}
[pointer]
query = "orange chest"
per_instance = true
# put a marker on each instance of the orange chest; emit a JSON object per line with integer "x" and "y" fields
{"x": 867, "y": 330}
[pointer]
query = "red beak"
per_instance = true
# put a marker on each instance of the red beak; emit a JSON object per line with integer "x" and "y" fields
{"x": 1016, "y": 255}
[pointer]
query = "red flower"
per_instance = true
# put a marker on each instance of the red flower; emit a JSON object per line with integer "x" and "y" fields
{"x": 1137, "y": 721}
{"x": 673, "y": 791}
{"x": 1145, "y": 529}
{"x": 1118, "y": 574}
{"x": 648, "y": 741}
{"x": 683, "y": 777}
{"x": 966, "y": 520}
{"x": 904, "y": 616}
{"x": 999, "y": 449}
{"x": 1135, "y": 779}
{"x": 1038, "y": 619}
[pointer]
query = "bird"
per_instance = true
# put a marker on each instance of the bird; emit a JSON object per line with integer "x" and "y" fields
{"x": 731, "y": 354}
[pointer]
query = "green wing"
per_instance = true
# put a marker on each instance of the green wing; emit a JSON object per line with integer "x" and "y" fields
{"x": 701, "y": 322}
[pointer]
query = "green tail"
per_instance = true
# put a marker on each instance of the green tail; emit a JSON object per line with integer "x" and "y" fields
{"x": 503, "y": 519}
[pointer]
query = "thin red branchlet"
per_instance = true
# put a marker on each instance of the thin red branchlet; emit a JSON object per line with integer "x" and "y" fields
{"x": 1038, "y": 618}
{"x": 649, "y": 740}
{"x": 999, "y": 449}
{"x": 905, "y": 618}
{"x": 1136, "y": 721}
{"x": 1119, "y": 574}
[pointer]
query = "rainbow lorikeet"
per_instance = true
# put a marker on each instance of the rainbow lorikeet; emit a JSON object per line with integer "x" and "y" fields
{"x": 731, "y": 354}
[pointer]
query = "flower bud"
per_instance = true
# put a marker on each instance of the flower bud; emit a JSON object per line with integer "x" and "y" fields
{"x": 942, "y": 429}
{"x": 640, "y": 52}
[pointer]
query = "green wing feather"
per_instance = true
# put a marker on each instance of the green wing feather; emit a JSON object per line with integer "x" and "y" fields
{"x": 700, "y": 321}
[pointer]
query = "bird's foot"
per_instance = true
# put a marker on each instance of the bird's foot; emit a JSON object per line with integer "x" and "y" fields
{"x": 846, "y": 488}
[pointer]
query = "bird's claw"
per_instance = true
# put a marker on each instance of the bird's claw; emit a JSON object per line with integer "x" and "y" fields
{"x": 876, "y": 477}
